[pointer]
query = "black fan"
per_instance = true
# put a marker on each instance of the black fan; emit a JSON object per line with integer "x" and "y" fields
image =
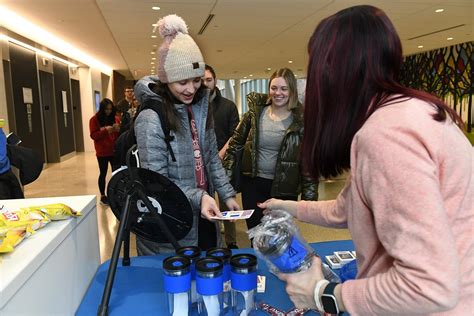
{"x": 170, "y": 202}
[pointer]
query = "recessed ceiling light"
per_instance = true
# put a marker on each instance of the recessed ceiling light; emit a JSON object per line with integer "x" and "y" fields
{"x": 153, "y": 58}
{"x": 296, "y": 75}
{"x": 154, "y": 24}
{"x": 290, "y": 61}
{"x": 152, "y": 63}
{"x": 420, "y": 46}
{"x": 155, "y": 8}
{"x": 269, "y": 68}
{"x": 449, "y": 38}
{"x": 154, "y": 45}
{"x": 153, "y": 53}
{"x": 245, "y": 77}
{"x": 439, "y": 10}
{"x": 250, "y": 75}
{"x": 153, "y": 36}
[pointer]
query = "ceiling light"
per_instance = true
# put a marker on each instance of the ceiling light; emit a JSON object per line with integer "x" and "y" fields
{"x": 439, "y": 10}
{"x": 153, "y": 58}
{"x": 155, "y": 8}
{"x": 154, "y": 45}
{"x": 153, "y": 53}
{"x": 290, "y": 61}
{"x": 269, "y": 68}
{"x": 250, "y": 75}
{"x": 154, "y": 24}
{"x": 24, "y": 27}
{"x": 420, "y": 46}
{"x": 153, "y": 36}
{"x": 39, "y": 51}
{"x": 449, "y": 38}
{"x": 152, "y": 63}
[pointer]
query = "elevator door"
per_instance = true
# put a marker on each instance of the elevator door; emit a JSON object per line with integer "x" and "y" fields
{"x": 48, "y": 103}
{"x": 26, "y": 101}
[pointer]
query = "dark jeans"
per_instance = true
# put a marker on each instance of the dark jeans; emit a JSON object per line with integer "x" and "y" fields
{"x": 257, "y": 190}
{"x": 103, "y": 166}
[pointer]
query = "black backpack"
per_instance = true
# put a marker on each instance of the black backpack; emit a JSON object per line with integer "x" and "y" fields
{"x": 127, "y": 139}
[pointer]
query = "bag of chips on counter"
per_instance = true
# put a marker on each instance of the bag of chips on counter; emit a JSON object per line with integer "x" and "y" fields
{"x": 21, "y": 220}
{"x": 55, "y": 212}
{"x": 12, "y": 239}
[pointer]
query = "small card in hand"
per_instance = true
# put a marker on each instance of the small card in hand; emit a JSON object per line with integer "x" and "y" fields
{"x": 233, "y": 215}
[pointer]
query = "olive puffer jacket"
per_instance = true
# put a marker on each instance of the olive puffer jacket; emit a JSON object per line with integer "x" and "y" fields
{"x": 289, "y": 179}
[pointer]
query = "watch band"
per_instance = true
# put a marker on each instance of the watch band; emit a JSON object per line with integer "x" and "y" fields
{"x": 317, "y": 299}
{"x": 328, "y": 299}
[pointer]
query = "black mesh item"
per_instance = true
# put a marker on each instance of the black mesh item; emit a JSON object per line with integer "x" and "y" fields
{"x": 172, "y": 204}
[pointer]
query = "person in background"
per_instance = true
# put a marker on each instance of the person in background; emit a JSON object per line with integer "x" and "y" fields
{"x": 104, "y": 129}
{"x": 191, "y": 161}
{"x": 126, "y": 103}
{"x": 226, "y": 119}
{"x": 409, "y": 200}
{"x": 133, "y": 108}
{"x": 124, "y": 119}
{"x": 271, "y": 133}
{"x": 10, "y": 187}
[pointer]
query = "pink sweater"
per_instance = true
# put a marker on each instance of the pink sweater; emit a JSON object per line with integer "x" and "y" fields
{"x": 409, "y": 207}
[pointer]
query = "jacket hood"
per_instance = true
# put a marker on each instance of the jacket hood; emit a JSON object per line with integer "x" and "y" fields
{"x": 144, "y": 89}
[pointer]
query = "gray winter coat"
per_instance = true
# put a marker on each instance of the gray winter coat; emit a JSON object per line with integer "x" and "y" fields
{"x": 155, "y": 156}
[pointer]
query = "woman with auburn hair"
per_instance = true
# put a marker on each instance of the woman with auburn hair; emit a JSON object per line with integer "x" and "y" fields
{"x": 270, "y": 134}
{"x": 409, "y": 200}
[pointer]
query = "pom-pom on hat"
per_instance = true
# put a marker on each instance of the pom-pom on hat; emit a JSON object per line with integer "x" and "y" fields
{"x": 179, "y": 58}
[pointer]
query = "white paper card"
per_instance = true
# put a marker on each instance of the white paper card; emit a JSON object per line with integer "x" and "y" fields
{"x": 233, "y": 215}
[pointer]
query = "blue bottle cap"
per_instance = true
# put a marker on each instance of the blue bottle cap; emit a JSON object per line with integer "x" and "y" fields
{"x": 191, "y": 252}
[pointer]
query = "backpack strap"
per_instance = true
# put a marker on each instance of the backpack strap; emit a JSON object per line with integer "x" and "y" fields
{"x": 157, "y": 106}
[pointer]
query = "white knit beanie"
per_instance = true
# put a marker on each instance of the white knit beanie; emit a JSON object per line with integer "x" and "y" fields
{"x": 179, "y": 58}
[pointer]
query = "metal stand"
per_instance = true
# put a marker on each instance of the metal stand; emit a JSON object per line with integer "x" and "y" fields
{"x": 123, "y": 234}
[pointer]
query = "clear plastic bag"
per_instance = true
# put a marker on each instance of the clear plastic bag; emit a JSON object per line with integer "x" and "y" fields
{"x": 278, "y": 242}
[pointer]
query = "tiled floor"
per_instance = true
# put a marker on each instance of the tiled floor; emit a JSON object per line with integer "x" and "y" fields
{"x": 78, "y": 176}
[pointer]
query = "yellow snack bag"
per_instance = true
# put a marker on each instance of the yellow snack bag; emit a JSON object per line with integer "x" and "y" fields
{"x": 55, "y": 212}
{"x": 11, "y": 240}
{"x": 22, "y": 219}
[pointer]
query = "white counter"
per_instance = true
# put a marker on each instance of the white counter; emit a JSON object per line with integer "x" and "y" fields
{"x": 49, "y": 272}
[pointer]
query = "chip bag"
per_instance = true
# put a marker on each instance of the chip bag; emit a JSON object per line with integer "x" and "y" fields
{"x": 21, "y": 220}
{"x": 55, "y": 212}
{"x": 12, "y": 239}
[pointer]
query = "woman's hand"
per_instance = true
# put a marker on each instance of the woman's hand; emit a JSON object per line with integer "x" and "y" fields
{"x": 232, "y": 204}
{"x": 300, "y": 286}
{"x": 275, "y": 204}
{"x": 209, "y": 207}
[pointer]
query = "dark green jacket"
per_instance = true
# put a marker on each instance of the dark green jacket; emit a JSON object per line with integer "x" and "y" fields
{"x": 288, "y": 180}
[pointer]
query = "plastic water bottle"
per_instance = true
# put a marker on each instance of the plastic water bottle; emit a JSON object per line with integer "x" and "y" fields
{"x": 193, "y": 253}
{"x": 284, "y": 250}
{"x": 177, "y": 284}
{"x": 244, "y": 284}
{"x": 223, "y": 254}
{"x": 210, "y": 286}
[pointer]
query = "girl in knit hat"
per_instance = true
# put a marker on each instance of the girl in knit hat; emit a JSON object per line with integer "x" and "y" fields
{"x": 195, "y": 166}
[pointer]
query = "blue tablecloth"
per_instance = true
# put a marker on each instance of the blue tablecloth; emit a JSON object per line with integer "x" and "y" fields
{"x": 138, "y": 288}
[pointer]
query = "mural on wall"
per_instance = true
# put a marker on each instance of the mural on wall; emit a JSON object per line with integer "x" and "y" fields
{"x": 445, "y": 72}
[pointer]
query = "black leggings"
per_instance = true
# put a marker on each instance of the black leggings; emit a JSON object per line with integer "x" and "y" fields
{"x": 257, "y": 190}
{"x": 103, "y": 166}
